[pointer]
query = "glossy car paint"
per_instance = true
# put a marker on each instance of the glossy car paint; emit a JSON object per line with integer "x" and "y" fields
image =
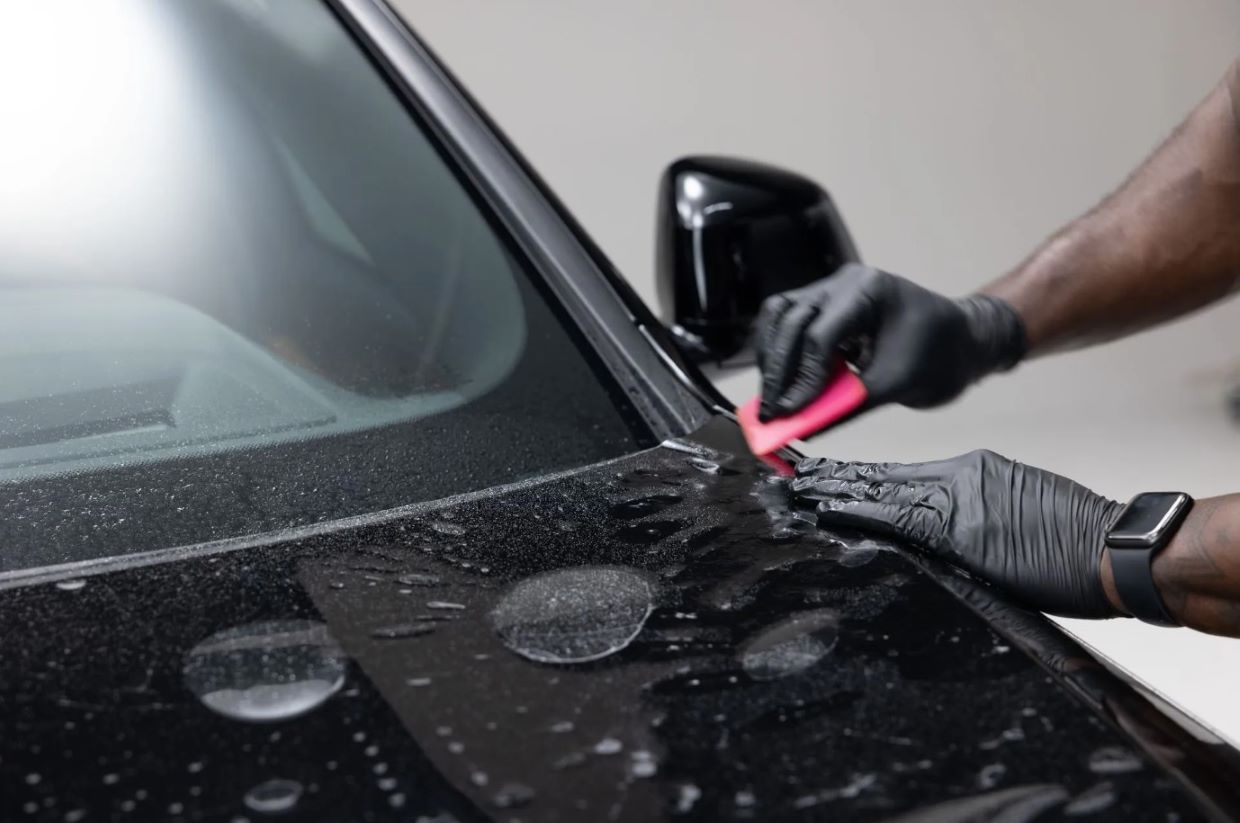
{"x": 730, "y": 234}
{"x": 733, "y": 662}
{"x": 654, "y": 638}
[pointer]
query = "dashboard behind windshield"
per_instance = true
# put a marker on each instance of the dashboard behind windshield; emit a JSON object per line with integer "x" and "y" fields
{"x": 241, "y": 290}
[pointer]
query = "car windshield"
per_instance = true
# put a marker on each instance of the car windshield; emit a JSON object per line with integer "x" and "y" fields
{"x": 242, "y": 290}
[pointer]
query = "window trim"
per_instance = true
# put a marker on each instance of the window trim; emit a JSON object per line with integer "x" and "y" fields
{"x": 670, "y": 392}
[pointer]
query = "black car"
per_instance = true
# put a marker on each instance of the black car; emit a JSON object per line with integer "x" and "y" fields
{"x": 341, "y": 478}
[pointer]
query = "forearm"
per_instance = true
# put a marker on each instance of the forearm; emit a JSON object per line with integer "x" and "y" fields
{"x": 1166, "y": 243}
{"x": 1198, "y": 573}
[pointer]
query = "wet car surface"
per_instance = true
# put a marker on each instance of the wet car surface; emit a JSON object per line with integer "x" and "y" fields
{"x": 655, "y": 637}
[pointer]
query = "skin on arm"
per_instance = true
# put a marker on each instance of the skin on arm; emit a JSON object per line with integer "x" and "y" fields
{"x": 1198, "y": 573}
{"x": 1165, "y": 243}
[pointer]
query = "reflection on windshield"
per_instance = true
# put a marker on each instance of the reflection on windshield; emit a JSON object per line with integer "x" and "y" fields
{"x": 228, "y": 272}
{"x": 241, "y": 290}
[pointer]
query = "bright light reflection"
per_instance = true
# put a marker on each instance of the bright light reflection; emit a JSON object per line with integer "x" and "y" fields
{"x": 93, "y": 121}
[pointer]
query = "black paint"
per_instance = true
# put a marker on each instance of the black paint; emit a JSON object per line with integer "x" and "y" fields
{"x": 903, "y": 698}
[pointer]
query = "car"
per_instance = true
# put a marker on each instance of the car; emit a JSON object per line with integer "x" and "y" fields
{"x": 343, "y": 478}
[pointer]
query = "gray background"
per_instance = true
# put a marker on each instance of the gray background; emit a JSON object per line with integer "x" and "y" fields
{"x": 954, "y": 135}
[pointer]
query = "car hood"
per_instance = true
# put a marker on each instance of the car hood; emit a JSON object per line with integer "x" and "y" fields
{"x": 657, "y": 637}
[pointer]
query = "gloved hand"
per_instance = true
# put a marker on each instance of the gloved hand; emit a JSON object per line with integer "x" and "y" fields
{"x": 912, "y": 346}
{"x": 1036, "y": 535}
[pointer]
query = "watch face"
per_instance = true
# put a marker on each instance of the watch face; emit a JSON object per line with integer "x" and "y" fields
{"x": 1147, "y": 517}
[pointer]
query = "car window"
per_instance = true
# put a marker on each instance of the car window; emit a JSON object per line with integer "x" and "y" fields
{"x": 241, "y": 289}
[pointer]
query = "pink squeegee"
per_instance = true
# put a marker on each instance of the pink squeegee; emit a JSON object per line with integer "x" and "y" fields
{"x": 843, "y": 395}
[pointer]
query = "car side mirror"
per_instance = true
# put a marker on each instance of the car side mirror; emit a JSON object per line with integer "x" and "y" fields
{"x": 731, "y": 233}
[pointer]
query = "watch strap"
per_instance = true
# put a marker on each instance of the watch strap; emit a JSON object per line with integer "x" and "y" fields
{"x": 1133, "y": 570}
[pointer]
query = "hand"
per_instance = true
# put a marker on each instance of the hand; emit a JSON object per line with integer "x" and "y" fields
{"x": 1036, "y": 535}
{"x": 914, "y": 346}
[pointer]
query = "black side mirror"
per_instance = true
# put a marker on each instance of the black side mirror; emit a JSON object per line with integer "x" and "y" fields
{"x": 731, "y": 233}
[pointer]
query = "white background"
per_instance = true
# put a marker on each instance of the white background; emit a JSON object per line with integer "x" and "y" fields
{"x": 954, "y": 135}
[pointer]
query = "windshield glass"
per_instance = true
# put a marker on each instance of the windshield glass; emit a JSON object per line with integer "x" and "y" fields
{"x": 241, "y": 290}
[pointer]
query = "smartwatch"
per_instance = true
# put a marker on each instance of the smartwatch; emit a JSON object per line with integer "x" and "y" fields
{"x": 1145, "y": 526}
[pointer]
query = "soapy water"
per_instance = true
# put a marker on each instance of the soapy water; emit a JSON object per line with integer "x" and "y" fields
{"x": 1113, "y": 760}
{"x": 403, "y": 631}
{"x": 513, "y": 796}
{"x": 1092, "y": 800}
{"x": 853, "y": 788}
{"x": 991, "y": 775}
{"x": 686, "y": 796}
{"x": 643, "y": 764}
{"x": 608, "y": 745}
{"x": 790, "y": 646}
{"x": 447, "y": 528}
{"x": 265, "y": 672}
{"x": 274, "y": 796}
{"x": 695, "y": 449}
{"x": 427, "y": 580}
{"x": 1020, "y": 804}
{"x": 643, "y": 506}
{"x": 705, "y": 466}
{"x": 649, "y": 532}
{"x": 574, "y": 615}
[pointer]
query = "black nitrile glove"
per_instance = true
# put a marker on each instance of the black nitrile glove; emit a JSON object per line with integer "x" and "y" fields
{"x": 1036, "y": 535}
{"x": 912, "y": 346}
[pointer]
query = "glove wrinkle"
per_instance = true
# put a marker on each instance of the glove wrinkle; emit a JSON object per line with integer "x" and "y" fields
{"x": 1037, "y": 535}
{"x": 920, "y": 348}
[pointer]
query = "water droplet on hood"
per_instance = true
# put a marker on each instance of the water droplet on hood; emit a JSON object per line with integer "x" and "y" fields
{"x": 643, "y": 506}
{"x": 643, "y": 764}
{"x": 513, "y": 796}
{"x": 853, "y": 788}
{"x": 858, "y": 554}
{"x": 268, "y": 671}
{"x": 1113, "y": 760}
{"x": 574, "y": 615}
{"x": 687, "y": 795}
{"x": 274, "y": 796}
{"x": 705, "y": 466}
{"x": 648, "y": 532}
{"x": 569, "y": 760}
{"x": 450, "y": 529}
{"x": 990, "y": 775}
{"x": 685, "y": 447}
{"x": 402, "y": 631}
{"x": 1092, "y": 800}
{"x": 1021, "y": 804}
{"x": 418, "y": 580}
{"x": 790, "y": 646}
{"x": 608, "y": 745}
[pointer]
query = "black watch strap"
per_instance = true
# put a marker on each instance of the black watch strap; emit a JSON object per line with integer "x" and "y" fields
{"x": 1133, "y": 570}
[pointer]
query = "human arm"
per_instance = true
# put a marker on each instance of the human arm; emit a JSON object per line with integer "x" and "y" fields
{"x": 1036, "y": 535}
{"x": 1165, "y": 243}
{"x": 1198, "y": 573}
